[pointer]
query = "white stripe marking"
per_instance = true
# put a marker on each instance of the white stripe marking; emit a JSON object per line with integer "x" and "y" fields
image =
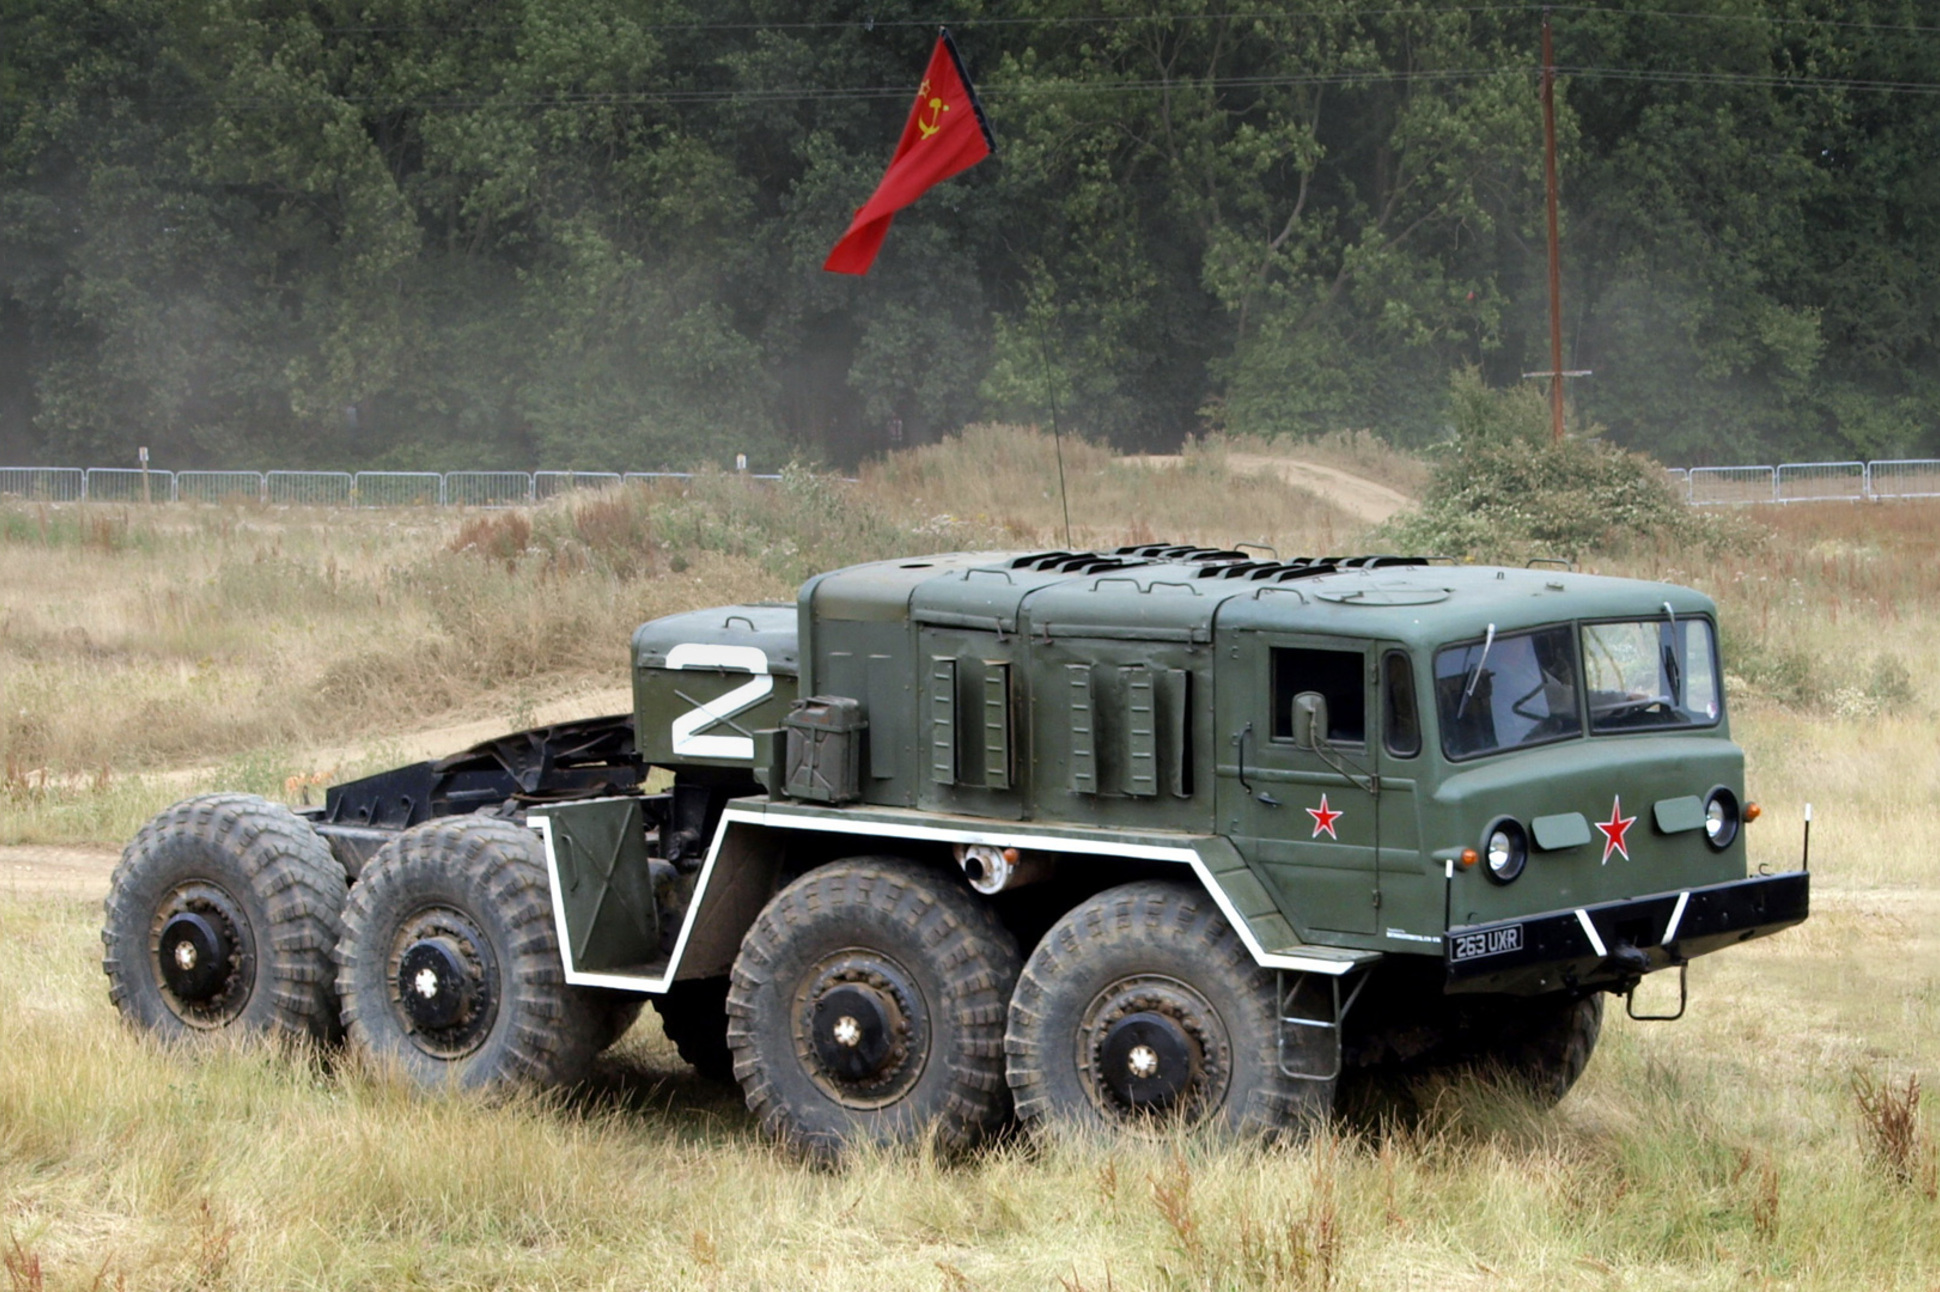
{"x": 1677, "y": 917}
{"x": 1589, "y": 931}
{"x": 732, "y": 816}
{"x": 624, "y": 982}
{"x": 1046, "y": 842}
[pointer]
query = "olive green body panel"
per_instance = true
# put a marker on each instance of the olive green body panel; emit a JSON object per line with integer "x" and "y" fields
{"x": 705, "y": 681}
{"x": 1593, "y": 777}
{"x": 1306, "y": 819}
{"x": 873, "y": 662}
{"x": 1073, "y": 696}
{"x": 612, "y": 932}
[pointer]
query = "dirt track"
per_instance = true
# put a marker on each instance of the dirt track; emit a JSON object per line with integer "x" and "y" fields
{"x": 436, "y": 742}
{"x": 31, "y": 870}
{"x": 1358, "y": 496}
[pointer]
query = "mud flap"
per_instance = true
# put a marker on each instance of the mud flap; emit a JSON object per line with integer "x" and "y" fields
{"x": 603, "y": 883}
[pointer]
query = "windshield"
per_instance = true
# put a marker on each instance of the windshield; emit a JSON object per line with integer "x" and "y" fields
{"x": 1508, "y": 691}
{"x": 1650, "y": 673}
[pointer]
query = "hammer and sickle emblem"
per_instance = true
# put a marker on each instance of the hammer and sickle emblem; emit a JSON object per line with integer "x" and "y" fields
{"x": 937, "y": 107}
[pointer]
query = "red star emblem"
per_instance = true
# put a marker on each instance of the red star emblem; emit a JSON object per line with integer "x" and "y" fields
{"x": 1614, "y": 830}
{"x": 1324, "y": 818}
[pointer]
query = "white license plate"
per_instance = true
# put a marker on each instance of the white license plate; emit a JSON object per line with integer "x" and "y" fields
{"x": 1485, "y": 942}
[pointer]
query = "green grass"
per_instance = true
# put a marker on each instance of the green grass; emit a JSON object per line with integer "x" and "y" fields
{"x": 1692, "y": 1156}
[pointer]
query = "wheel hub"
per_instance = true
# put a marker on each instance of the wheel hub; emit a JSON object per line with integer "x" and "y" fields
{"x": 203, "y": 953}
{"x": 1150, "y": 1045}
{"x": 861, "y": 1028}
{"x": 1147, "y": 1059}
{"x": 194, "y": 956}
{"x": 442, "y": 972}
{"x": 434, "y": 984}
{"x": 854, "y": 1030}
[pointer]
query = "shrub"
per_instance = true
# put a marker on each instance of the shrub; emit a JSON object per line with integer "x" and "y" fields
{"x": 1504, "y": 491}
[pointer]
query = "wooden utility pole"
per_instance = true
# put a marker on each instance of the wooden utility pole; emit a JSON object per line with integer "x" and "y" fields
{"x": 1555, "y": 249}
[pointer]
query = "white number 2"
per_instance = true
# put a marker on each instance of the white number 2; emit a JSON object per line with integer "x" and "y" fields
{"x": 709, "y": 713}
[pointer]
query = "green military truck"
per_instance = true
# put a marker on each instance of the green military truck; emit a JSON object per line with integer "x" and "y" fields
{"x": 1074, "y": 837}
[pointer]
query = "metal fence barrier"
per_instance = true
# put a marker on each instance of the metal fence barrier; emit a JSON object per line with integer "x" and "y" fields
{"x": 128, "y": 484}
{"x": 550, "y": 484}
{"x": 1904, "y": 478}
{"x": 44, "y": 484}
{"x": 218, "y": 486}
{"x": 309, "y": 488}
{"x": 487, "y": 488}
{"x": 1699, "y": 486}
{"x": 1711, "y": 485}
{"x": 398, "y": 489}
{"x": 1814, "y": 482}
{"x": 1820, "y": 481}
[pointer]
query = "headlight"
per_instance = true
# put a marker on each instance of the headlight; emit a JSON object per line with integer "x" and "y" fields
{"x": 1505, "y": 848}
{"x": 1721, "y": 818}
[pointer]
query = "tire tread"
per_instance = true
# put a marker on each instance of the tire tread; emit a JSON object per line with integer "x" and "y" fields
{"x": 1136, "y": 916}
{"x": 554, "y": 1029}
{"x": 969, "y": 947}
{"x": 285, "y": 865}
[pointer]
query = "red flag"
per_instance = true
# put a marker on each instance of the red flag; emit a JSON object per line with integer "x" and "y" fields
{"x": 946, "y": 134}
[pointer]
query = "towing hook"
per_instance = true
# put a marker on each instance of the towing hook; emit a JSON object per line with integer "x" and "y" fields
{"x": 1627, "y": 957}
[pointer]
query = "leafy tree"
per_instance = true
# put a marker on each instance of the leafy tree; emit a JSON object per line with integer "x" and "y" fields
{"x": 586, "y": 233}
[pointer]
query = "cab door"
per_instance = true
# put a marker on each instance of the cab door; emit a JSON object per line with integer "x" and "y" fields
{"x": 1306, "y": 819}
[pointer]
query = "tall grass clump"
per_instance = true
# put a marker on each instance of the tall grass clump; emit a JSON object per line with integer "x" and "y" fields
{"x": 1896, "y": 1137}
{"x": 101, "y": 529}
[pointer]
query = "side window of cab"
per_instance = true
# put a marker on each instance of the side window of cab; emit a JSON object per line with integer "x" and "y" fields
{"x": 1400, "y": 720}
{"x": 1339, "y": 675}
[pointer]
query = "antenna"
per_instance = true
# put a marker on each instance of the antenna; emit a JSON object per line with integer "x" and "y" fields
{"x": 1051, "y": 390}
{"x": 1556, "y": 373}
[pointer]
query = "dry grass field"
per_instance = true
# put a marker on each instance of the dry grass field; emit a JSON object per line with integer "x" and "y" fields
{"x": 1767, "y": 1140}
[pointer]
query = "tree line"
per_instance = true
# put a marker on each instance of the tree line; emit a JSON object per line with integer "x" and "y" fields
{"x": 588, "y": 233}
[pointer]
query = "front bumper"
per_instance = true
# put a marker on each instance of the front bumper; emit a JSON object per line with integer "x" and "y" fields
{"x": 1615, "y": 943}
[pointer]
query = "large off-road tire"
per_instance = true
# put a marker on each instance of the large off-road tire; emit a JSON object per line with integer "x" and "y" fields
{"x": 1539, "y": 1046}
{"x": 1545, "y": 1046}
{"x": 1142, "y": 1008}
{"x": 617, "y": 1012}
{"x": 867, "y": 1006}
{"x": 222, "y": 917}
{"x": 693, "y": 1014}
{"x": 449, "y": 964}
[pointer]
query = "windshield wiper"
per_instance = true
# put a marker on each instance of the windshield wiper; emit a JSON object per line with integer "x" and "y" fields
{"x": 1672, "y": 679}
{"x": 1476, "y": 675}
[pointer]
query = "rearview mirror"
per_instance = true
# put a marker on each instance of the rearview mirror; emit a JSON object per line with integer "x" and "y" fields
{"x": 1309, "y": 720}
